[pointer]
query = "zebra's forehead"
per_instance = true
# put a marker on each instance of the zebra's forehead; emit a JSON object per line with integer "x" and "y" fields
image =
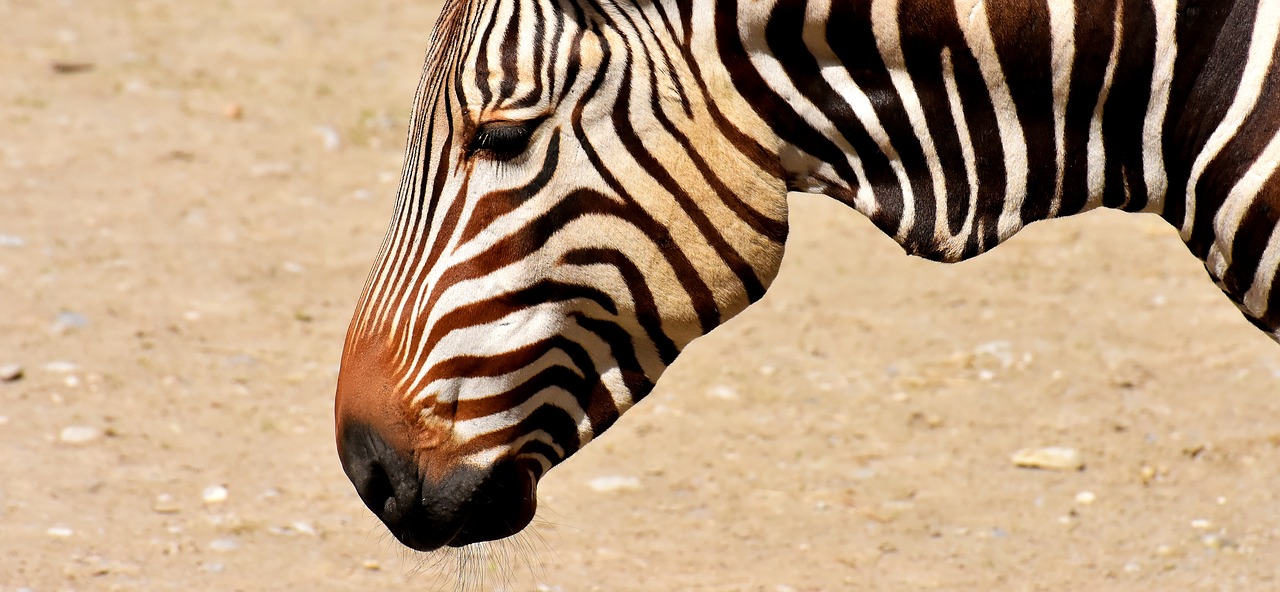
{"x": 512, "y": 56}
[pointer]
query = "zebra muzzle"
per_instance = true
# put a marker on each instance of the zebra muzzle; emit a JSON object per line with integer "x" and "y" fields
{"x": 468, "y": 504}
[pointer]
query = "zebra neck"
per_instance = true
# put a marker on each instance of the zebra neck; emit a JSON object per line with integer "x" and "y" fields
{"x": 954, "y": 129}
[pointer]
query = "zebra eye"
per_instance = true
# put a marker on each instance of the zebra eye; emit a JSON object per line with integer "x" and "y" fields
{"x": 502, "y": 140}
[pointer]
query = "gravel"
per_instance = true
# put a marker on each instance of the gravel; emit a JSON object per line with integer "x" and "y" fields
{"x": 77, "y": 434}
{"x": 11, "y": 372}
{"x": 61, "y": 366}
{"x": 614, "y": 483}
{"x": 68, "y": 321}
{"x": 1052, "y": 458}
{"x": 214, "y": 494}
{"x": 224, "y": 544}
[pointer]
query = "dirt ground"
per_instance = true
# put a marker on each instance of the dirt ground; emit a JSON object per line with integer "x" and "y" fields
{"x": 191, "y": 194}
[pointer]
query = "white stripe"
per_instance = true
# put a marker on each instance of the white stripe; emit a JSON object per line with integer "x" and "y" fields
{"x": 1261, "y": 48}
{"x": 771, "y": 71}
{"x": 966, "y": 142}
{"x": 815, "y": 33}
{"x": 1097, "y": 152}
{"x": 884, "y": 17}
{"x": 977, "y": 34}
{"x": 1062, "y": 23}
{"x": 1158, "y": 105}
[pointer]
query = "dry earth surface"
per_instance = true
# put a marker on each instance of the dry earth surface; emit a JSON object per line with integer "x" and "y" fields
{"x": 191, "y": 193}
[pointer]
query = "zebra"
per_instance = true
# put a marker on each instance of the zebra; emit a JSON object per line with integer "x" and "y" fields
{"x": 589, "y": 185}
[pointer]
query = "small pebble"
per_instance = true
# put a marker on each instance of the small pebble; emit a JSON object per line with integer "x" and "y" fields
{"x": 67, "y": 321}
{"x": 614, "y": 483}
{"x": 332, "y": 140}
{"x": 724, "y": 393}
{"x": 1054, "y": 458}
{"x": 233, "y": 111}
{"x": 61, "y": 366}
{"x": 1132, "y": 567}
{"x": 60, "y": 532}
{"x": 214, "y": 494}
{"x": 10, "y": 372}
{"x": 10, "y": 240}
{"x": 1212, "y": 541}
{"x": 165, "y": 504}
{"x": 79, "y": 434}
{"x": 1148, "y": 474}
{"x": 224, "y": 544}
{"x": 371, "y": 564}
{"x": 1201, "y": 524}
{"x": 1085, "y": 498}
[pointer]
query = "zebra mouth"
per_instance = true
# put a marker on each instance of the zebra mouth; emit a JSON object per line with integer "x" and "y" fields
{"x": 468, "y": 505}
{"x": 502, "y": 505}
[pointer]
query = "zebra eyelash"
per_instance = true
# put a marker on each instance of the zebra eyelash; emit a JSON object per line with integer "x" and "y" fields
{"x": 502, "y": 140}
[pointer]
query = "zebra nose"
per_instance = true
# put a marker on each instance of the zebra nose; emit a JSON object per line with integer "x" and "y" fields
{"x": 389, "y": 484}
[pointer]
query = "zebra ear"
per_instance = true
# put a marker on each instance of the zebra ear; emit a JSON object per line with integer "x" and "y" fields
{"x": 502, "y": 140}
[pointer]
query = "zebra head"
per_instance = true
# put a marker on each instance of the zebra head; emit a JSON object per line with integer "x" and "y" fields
{"x": 581, "y": 198}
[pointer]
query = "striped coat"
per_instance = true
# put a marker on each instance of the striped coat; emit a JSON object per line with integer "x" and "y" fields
{"x": 590, "y": 185}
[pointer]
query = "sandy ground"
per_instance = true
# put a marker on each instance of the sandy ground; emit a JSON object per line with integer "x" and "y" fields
{"x": 177, "y": 280}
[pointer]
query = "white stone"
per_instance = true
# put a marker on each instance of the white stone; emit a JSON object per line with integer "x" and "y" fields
{"x": 723, "y": 392}
{"x": 61, "y": 366}
{"x": 79, "y": 434}
{"x": 224, "y": 544}
{"x": 214, "y": 494}
{"x": 332, "y": 140}
{"x": 1201, "y": 524}
{"x": 612, "y": 483}
{"x": 1053, "y": 458}
{"x": 165, "y": 504}
{"x": 10, "y": 372}
{"x": 60, "y": 532}
{"x": 1085, "y": 498}
{"x": 1001, "y": 350}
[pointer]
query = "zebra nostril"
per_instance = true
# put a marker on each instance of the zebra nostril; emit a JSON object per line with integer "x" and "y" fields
{"x": 385, "y": 481}
{"x": 378, "y": 493}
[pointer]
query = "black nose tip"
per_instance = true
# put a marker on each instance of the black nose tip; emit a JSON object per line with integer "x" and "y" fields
{"x": 468, "y": 505}
{"x": 389, "y": 484}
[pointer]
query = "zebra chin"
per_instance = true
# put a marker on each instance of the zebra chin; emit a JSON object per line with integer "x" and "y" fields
{"x": 463, "y": 505}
